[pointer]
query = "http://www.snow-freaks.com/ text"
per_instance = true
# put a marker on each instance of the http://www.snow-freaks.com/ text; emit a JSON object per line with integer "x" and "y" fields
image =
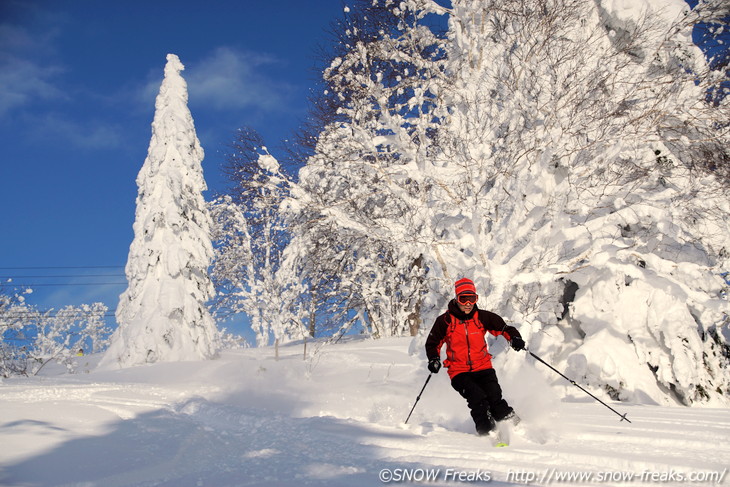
{"x": 550, "y": 476}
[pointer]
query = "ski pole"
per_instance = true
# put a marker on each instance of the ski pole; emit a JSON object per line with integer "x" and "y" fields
{"x": 419, "y": 396}
{"x": 622, "y": 416}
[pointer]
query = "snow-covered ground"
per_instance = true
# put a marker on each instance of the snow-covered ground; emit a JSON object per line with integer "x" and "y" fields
{"x": 337, "y": 419}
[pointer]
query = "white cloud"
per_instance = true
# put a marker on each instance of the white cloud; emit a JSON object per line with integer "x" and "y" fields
{"x": 31, "y": 85}
{"x": 15, "y": 38}
{"x": 22, "y": 82}
{"x": 233, "y": 79}
{"x": 24, "y": 78}
{"x": 88, "y": 135}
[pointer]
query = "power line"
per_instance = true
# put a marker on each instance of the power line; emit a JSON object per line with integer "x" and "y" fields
{"x": 53, "y": 313}
{"x": 18, "y": 316}
{"x": 61, "y": 275}
{"x": 66, "y": 267}
{"x": 17, "y": 284}
{"x": 9, "y": 280}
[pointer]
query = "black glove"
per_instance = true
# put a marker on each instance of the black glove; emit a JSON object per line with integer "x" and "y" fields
{"x": 434, "y": 365}
{"x": 517, "y": 343}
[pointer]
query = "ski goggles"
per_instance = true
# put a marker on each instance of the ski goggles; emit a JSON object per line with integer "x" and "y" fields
{"x": 467, "y": 298}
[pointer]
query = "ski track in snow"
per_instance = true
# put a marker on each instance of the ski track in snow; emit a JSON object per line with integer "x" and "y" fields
{"x": 247, "y": 419}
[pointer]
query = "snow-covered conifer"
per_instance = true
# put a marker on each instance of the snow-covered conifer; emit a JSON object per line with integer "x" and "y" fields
{"x": 162, "y": 315}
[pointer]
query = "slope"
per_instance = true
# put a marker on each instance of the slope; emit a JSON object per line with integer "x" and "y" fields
{"x": 334, "y": 419}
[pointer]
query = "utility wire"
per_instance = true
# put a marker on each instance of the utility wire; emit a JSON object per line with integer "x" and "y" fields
{"x": 61, "y": 275}
{"x": 21, "y": 284}
{"x": 67, "y": 267}
{"x": 54, "y": 313}
{"x": 10, "y": 316}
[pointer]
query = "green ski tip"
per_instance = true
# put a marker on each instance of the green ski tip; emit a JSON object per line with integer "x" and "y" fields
{"x": 501, "y": 445}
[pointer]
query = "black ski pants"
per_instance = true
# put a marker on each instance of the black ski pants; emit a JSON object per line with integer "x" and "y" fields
{"x": 483, "y": 396}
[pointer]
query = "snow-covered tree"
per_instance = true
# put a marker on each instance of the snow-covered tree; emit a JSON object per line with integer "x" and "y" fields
{"x": 31, "y": 338}
{"x": 564, "y": 155}
{"x": 163, "y": 315}
{"x": 589, "y": 184}
{"x": 359, "y": 227}
{"x": 250, "y": 237}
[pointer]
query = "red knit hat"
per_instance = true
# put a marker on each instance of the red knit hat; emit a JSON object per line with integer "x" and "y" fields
{"x": 464, "y": 286}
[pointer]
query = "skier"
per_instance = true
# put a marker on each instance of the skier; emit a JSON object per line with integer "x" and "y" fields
{"x": 463, "y": 329}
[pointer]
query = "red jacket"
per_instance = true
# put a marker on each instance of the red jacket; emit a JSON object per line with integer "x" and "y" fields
{"x": 465, "y": 338}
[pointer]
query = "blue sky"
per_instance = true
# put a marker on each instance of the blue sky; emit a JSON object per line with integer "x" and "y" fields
{"x": 78, "y": 80}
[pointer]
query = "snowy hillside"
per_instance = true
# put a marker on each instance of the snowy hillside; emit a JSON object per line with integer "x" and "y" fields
{"x": 336, "y": 419}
